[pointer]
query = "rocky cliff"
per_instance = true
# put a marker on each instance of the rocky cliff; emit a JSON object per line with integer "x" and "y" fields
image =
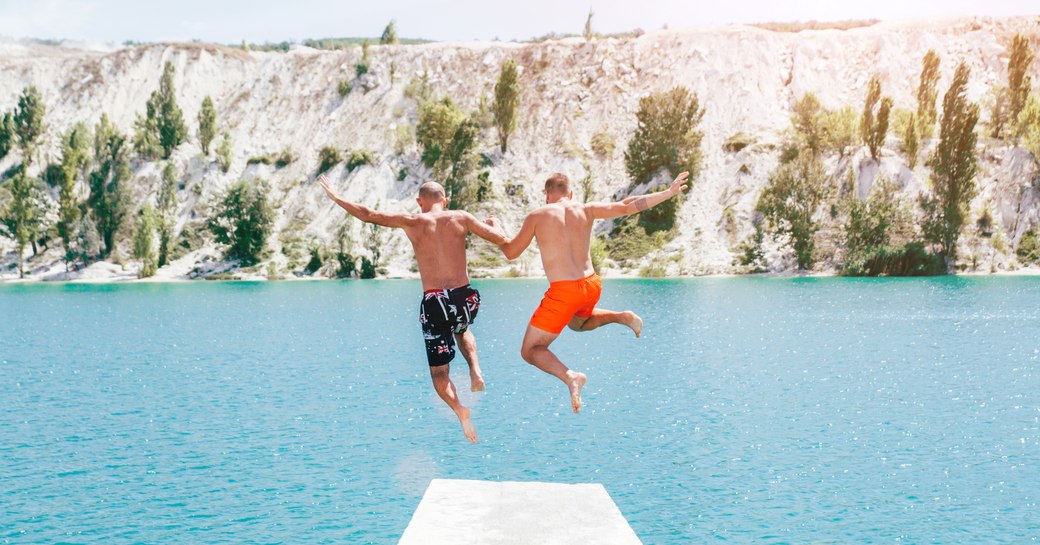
{"x": 747, "y": 79}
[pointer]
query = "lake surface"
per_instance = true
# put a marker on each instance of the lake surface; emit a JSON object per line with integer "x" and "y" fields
{"x": 752, "y": 410}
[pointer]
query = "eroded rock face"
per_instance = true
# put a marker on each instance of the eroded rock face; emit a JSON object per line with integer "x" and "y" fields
{"x": 747, "y": 79}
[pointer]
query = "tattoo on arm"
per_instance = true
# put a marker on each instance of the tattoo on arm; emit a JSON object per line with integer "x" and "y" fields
{"x": 641, "y": 204}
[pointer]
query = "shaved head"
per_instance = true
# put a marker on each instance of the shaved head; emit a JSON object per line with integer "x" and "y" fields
{"x": 431, "y": 190}
{"x": 558, "y": 184}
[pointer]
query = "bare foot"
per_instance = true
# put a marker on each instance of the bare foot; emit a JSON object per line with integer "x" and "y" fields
{"x": 476, "y": 383}
{"x": 575, "y": 385}
{"x": 467, "y": 424}
{"x": 633, "y": 321}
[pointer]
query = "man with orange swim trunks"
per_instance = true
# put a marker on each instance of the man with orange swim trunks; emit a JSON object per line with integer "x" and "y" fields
{"x": 563, "y": 228}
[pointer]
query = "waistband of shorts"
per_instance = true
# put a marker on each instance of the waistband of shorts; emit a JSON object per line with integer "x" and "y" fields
{"x": 445, "y": 290}
{"x": 571, "y": 282}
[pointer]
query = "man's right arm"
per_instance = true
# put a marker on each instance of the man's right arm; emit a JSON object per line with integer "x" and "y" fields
{"x": 365, "y": 213}
{"x": 631, "y": 205}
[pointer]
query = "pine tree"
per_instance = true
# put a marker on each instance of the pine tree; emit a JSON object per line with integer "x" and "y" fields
{"x": 389, "y": 36}
{"x": 162, "y": 128}
{"x": 28, "y": 122}
{"x": 954, "y": 165}
{"x": 207, "y": 124}
{"x": 243, "y": 221}
{"x": 507, "y": 100}
{"x": 7, "y": 134}
{"x": 927, "y": 92}
{"x": 588, "y": 27}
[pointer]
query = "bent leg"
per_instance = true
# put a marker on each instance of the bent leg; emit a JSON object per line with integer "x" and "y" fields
{"x": 468, "y": 346}
{"x": 601, "y": 317}
{"x": 535, "y": 350}
{"x": 446, "y": 389}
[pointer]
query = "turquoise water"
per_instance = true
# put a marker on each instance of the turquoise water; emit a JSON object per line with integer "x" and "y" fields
{"x": 752, "y": 410}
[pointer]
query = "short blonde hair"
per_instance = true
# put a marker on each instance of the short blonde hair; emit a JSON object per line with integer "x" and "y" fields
{"x": 431, "y": 190}
{"x": 558, "y": 183}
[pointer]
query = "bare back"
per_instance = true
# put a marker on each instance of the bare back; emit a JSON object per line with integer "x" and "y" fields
{"x": 439, "y": 241}
{"x": 563, "y": 230}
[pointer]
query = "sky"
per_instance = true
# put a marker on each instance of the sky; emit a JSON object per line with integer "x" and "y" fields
{"x": 258, "y": 21}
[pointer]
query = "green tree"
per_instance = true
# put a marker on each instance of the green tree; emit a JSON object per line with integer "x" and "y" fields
{"x": 224, "y": 153}
{"x": 808, "y": 122}
{"x": 243, "y": 221}
{"x": 954, "y": 165}
{"x": 389, "y": 36}
{"x": 911, "y": 138}
{"x": 1029, "y": 127}
{"x": 166, "y": 210}
{"x": 21, "y": 218}
{"x": 462, "y": 158}
{"x": 666, "y": 136}
{"x": 927, "y": 92}
{"x": 109, "y": 192}
{"x": 791, "y": 199}
{"x": 75, "y": 155}
{"x": 874, "y": 123}
{"x": 839, "y": 130}
{"x": 28, "y": 122}
{"x": 144, "y": 242}
{"x": 507, "y": 99}
{"x": 162, "y": 128}
{"x": 588, "y": 27}
{"x": 435, "y": 132}
{"x": 362, "y": 67}
{"x": 1019, "y": 81}
{"x": 7, "y": 134}
{"x": 207, "y": 124}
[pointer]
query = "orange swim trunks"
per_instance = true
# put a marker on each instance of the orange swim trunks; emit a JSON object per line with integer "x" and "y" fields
{"x": 565, "y": 300}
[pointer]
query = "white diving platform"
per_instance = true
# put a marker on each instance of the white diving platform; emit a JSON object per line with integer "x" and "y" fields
{"x": 458, "y": 512}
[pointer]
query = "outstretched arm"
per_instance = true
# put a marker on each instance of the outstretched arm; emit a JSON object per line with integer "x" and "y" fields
{"x": 631, "y": 205}
{"x": 365, "y": 213}
{"x": 490, "y": 230}
{"x": 513, "y": 248}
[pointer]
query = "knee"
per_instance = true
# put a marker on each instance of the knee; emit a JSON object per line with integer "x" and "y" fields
{"x": 527, "y": 353}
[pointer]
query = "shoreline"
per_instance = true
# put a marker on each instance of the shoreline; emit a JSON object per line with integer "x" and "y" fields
{"x": 1023, "y": 272}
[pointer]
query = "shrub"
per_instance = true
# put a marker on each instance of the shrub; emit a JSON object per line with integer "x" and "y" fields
{"x": 361, "y": 68}
{"x": 750, "y": 253}
{"x": 328, "y": 157}
{"x": 807, "y": 122}
{"x": 603, "y": 143}
{"x": 736, "y": 142}
{"x": 260, "y": 160}
{"x": 345, "y": 87}
{"x": 839, "y": 130}
{"x": 1028, "y": 127}
{"x": 666, "y": 135}
{"x": 358, "y": 158}
{"x": 1028, "y": 250}
{"x": 243, "y": 220}
{"x": 907, "y": 126}
{"x": 224, "y": 153}
{"x": 630, "y": 241}
{"x": 598, "y": 253}
{"x": 284, "y": 158}
{"x": 419, "y": 89}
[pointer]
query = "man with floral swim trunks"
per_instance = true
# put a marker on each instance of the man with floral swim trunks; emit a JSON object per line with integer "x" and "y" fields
{"x": 563, "y": 228}
{"x": 449, "y": 304}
